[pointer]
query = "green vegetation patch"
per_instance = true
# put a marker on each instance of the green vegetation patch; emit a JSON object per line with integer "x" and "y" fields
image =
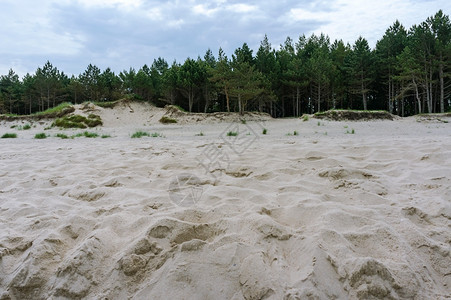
{"x": 9, "y": 136}
{"x": 40, "y": 136}
{"x": 354, "y": 115}
{"x": 140, "y": 134}
{"x": 62, "y": 136}
{"x": 78, "y": 121}
{"x": 232, "y": 133}
{"x": 107, "y": 104}
{"x": 57, "y": 111}
{"x": 156, "y": 134}
{"x": 167, "y": 120}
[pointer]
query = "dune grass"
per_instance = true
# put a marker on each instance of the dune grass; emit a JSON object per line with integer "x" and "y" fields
{"x": 139, "y": 134}
{"x": 40, "y": 136}
{"x": 9, "y": 136}
{"x": 167, "y": 120}
{"x": 78, "y": 121}
{"x": 62, "y": 136}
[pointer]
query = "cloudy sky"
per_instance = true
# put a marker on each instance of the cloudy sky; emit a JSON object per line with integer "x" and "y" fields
{"x": 130, "y": 33}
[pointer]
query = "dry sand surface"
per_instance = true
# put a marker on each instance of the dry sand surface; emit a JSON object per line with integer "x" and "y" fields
{"x": 319, "y": 215}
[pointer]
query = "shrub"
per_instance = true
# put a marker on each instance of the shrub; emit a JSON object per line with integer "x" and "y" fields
{"x": 305, "y": 118}
{"x": 62, "y": 136}
{"x": 104, "y": 136}
{"x": 57, "y": 111}
{"x": 295, "y": 133}
{"x": 140, "y": 134}
{"x": 265, "y": 131}
{"x": 167, "y": 120}
{"x": 9, "y": 136}
{"x": 156, "y": 134}
{"x": 40, "y": 136}
{"x": 78, "y": 121}
{"x": 90, "y": 134}
{"x": 26, "y": 127}
{"x": 232, "y": 133}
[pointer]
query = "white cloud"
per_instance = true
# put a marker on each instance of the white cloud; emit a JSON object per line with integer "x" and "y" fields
{"x": 201, "y": 9}
{"x": 123, "y": 4}
{"x": 349, "y": 19}
{"x": 241, "y": 8}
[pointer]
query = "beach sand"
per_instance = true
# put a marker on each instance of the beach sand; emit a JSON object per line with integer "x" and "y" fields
{"x": 324, "y": 214}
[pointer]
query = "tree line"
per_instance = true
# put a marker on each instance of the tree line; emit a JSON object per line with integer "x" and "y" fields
{"x": 408, "y": 72}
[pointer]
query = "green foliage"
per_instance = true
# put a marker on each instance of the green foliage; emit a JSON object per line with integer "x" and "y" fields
{"x": 26, "y": 127}
{"x": 167, "y": 120}
{"x": 243, "y": 121}
{"x": 62, "y": 136}
{"x": 200, "y": 134}
{"x": 90, "y": 134}
{"x": 40, "y": 136}
{"x": 295, "y": 133}
{"x": 56, "y": 111}
{"x": 9, "y": 136}
{"x": 107, "y": 104}
{"x": 156, "y": 134}
{"x": 140, "y": 134}
{"x": 305, "y": 118}
{"x": 232, "y": 133}
{"x": 105, "y": 136}
{"x": 265, "y": 131}
{"x": 78, "y": 121}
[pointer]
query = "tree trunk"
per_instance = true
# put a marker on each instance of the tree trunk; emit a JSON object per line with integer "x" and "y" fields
{"x": 442, "y": 89}
{"x": 363, "y": 93}
{"x": 298, "y": 92}
{"x": 227, "y": 99}
{"x": 319, "y": 96}
{"x": 240, "y": 106}
{"x": 207, "y": 100}
{"x": 417, "y": 96}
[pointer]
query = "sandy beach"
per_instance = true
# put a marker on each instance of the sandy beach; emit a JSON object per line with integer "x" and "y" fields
{"x": 339, "y": 210}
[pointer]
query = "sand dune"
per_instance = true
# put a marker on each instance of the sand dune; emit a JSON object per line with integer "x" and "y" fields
{"x": 311, "y": 216}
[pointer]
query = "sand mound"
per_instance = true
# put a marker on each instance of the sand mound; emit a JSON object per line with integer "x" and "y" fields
{"x": 352, "y": 115}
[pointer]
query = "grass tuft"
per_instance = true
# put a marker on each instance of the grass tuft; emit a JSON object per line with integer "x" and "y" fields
{"x": 40, "y": 136}
{"x": 62, "y": 136}
{"x": 305, "y": 118}
{"x": 167, "y": 120}
{"x": 156, "y": 134}
{"x": 139, "y": 134}
{"x": 232, "y": 133}
{"x": 9, "y": 136}
{"x": 90, "y": 134}
{"x": 265, "y": 131}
